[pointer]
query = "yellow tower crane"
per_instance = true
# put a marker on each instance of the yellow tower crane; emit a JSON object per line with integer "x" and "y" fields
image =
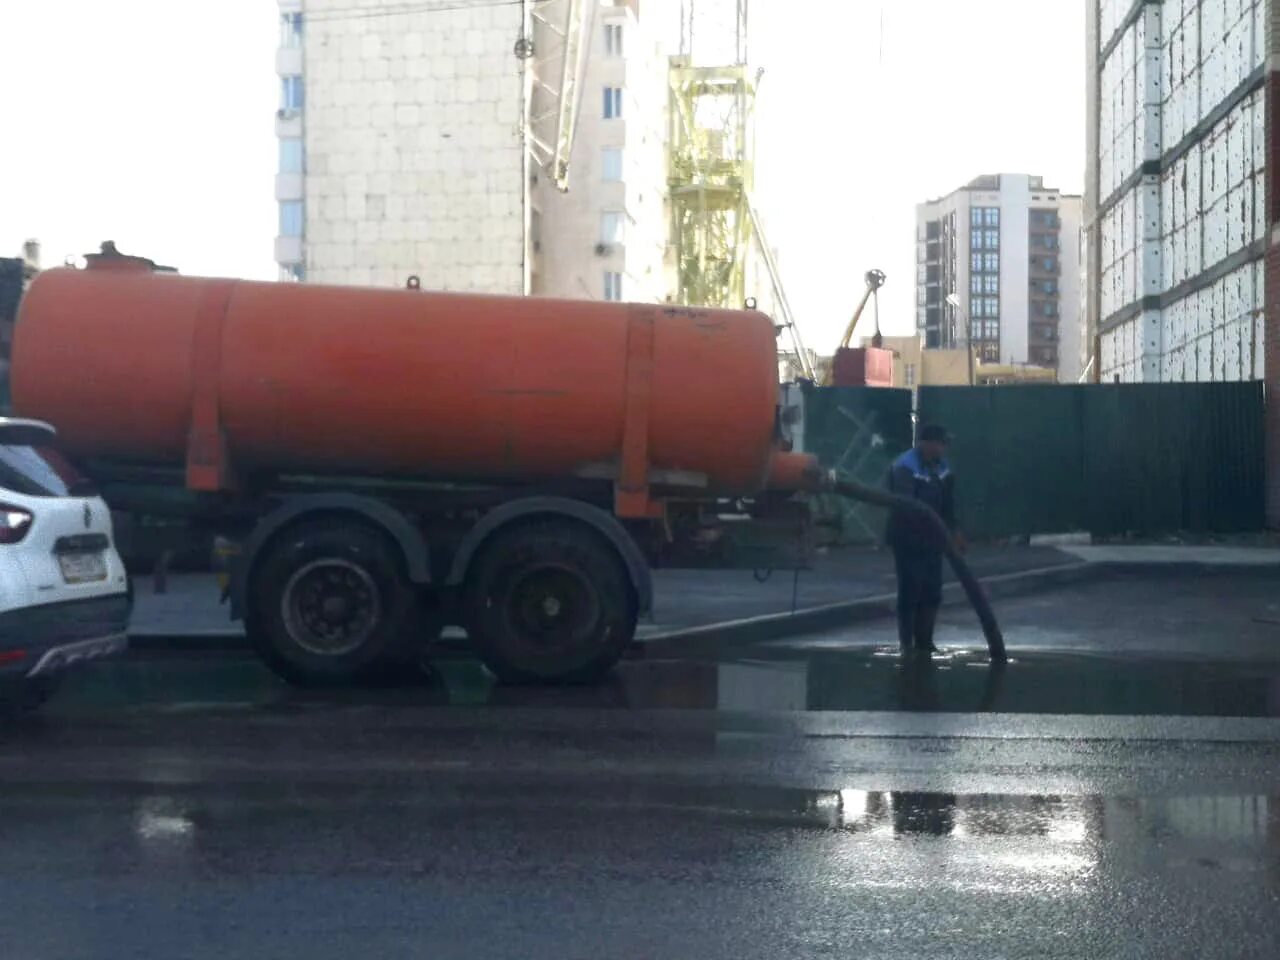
{"x": 715, "y": 229}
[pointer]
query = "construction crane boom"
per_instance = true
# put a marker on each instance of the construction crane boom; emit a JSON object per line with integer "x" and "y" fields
{"x": 875, "y": 280}
{"x": 788, "y": 319}
{"x": 561, "y": 37}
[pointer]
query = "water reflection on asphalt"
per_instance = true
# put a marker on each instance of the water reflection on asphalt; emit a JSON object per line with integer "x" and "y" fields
{"x": 777, "y": 680}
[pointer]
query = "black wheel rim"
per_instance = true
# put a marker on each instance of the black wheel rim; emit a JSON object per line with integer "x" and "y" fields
{"x": 551, "y": 607}
{"x": 331, "y": 607}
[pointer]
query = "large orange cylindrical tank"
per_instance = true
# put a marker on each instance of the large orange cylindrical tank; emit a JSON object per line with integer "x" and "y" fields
{"x": 314, "y": 378}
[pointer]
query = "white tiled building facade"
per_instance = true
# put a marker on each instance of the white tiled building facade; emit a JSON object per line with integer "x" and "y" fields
{"x": 1006, "y": 247}
{"x": 1175, "y": 197}
{"x": 606, "y": 238}
{"x": 403, "y": 152}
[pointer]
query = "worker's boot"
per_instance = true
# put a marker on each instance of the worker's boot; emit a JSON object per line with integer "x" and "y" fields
{"x": 925, "y": 619}
{"x": 906, "y": 629}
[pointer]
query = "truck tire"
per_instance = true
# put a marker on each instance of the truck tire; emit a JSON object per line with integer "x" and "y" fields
{"x": 330, "y": 605}
{"x": 549, "y": 602}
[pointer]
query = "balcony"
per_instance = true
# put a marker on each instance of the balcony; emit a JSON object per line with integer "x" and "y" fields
{"x": 288, "y": 123}
{"x": 289, "y": 61}
{"x": 289, "y": 186}
{"x": 288, "y": 250}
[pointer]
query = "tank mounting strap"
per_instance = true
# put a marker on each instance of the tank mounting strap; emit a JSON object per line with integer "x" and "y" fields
{"x": 208, "y": 462}
{"x": 631, "y": 491}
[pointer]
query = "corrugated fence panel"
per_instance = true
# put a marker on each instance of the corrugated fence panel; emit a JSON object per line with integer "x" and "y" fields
{"x": 1107, "y": 458}
{"x": 1224, "y": 479}
{"x": 1003, "y": 436}
{"x": 857, "y": 430}
{"x": 1129, "y": 473}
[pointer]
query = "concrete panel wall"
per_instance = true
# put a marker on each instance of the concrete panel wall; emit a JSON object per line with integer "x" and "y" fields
{"x": 1071, "y": 347}
{"x": 1180, "y": 188}
{"x": 567, "y": 262}
{"x": 1015, "y": 207}
{"x": 415, "y": 159}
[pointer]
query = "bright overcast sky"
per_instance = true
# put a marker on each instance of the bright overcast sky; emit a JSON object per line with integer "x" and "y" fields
{"x": 150, "y": 122}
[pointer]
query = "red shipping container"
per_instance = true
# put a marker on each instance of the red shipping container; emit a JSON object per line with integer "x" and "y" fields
{"x": 862, "y": 367}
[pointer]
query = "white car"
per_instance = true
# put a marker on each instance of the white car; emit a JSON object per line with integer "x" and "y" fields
{"x": 64, "y": 593}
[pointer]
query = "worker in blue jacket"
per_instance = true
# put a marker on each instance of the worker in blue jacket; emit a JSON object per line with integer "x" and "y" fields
{"x": 923, "y": 474}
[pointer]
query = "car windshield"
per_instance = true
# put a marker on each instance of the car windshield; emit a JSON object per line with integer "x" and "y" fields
{"x": 38, "y": 473}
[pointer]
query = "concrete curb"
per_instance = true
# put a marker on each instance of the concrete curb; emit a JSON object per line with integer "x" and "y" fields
{"x": 1000, "y": 586}
{"x": 774, "y": 626}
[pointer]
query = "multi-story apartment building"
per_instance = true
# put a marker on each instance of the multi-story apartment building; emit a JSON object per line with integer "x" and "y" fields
{"x": 606, "y": 237}
{"x": 405, "y": 150}
{"x": 1175, "y": 189}
{"x": 1182, "y": 199}
{"x": 997, "y": 267}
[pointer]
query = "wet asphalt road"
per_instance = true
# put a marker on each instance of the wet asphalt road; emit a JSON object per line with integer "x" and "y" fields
{"x": 825, "y": 799}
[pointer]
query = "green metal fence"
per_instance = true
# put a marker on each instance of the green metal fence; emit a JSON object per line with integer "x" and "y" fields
{"x": 1107, "y": 458}
{"x": 857, "y": 430}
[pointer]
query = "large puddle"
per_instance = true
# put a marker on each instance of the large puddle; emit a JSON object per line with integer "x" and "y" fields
{"x": 778, "y": 680}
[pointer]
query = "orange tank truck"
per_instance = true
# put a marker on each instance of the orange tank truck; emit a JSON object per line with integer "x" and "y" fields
{"x": 390, "y": 461}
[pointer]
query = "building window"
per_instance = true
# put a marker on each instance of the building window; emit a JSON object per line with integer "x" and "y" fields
{"x": 291, "y": 218}
{"x": 290, "y": 154}
{"x": 612, "y": 226}
{"x": 612, "y": 285}
{"x": 291, "y": 30}
{"x": 976, "y": 240}
{"x": 990, "y": 283}
{"x": 613, "y": 39}
{"x": 909, "y": 371}
{"x": 291, "y": 93}
{"x": 975, "y": 262}
{"x": 991, "y": 262}
{"x": 975, "y": 283}
{"x": 984, "y": 216}
{"x": 992, "y": 239}
{"x": 612, "y": 103}
{"x": 293, "y": 273}
{"x": 984, "y": 307}
{"x": 1050, "y": 264}
{"x": 1050, "y": 309}
{"x": 611, "y": 164}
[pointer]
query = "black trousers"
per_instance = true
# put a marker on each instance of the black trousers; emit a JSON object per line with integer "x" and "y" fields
{"x": 919, "y": 571}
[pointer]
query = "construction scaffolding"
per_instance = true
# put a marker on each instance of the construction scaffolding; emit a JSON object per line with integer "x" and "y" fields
{"x": 710, "y": 178}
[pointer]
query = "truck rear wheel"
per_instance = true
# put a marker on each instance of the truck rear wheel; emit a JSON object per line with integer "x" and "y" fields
{"x": 331, "y": 605}
{"x": 549, "y": 602}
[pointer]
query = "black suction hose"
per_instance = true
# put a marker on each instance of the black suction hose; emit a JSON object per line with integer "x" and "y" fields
{"x": 972, "y": 589}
